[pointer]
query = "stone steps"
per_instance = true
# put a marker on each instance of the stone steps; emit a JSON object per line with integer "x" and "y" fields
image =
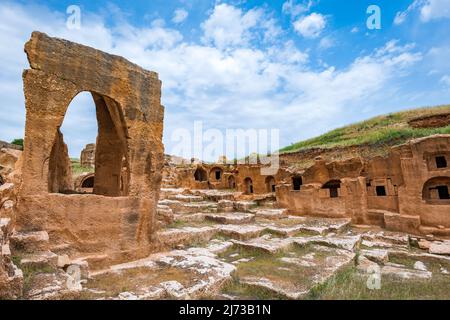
{"x": 231, "y": 218}
{"x": 186, "y": 198}
{"x": 30, "y": 242}
{"x": 240, "y": 206}
{"x": 172, "y": 238}
{"x": 241, "y": 232}
{"x": 271, "y": 214}
{"x": 166, "y": 192}
{"x": 179, "y": 207}
{"x": 201, "y": 271}
{"x": 349, "y": 243}
{"x": 265, "y": 244}
{"x": 214, "y": 195}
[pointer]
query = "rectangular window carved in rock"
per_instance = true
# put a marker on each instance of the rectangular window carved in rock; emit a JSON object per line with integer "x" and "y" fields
{"x": 381, "y": 191}
{"x": 441, "y": 162}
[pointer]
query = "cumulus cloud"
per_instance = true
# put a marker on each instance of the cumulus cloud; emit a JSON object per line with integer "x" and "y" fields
{"x": 226, "y": 81}
{"x": 294, "y": 9}
{"x": 429, "y": 10}
{"x": 229, "y": 26}
{"x": 310, "y": 26}
{"x": 435, "y": 9}
{"x": 179, "y": 16}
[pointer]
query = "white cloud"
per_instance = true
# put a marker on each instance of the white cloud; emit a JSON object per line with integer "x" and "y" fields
{"x": 180, "y": 15}
{"x": 310, "y": 26}
{"x": 435, "y": 9}
{"x": 429, "y": 10}
{"x": 354, "y": 30}
{"x": 228, "y": 25}
{"x": 244, "y": 86}
{"x": 295, "y": 9}
{"x": 401, "y": 16}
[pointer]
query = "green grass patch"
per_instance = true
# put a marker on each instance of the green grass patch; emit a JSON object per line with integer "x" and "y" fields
{"x": 77, "y": 169}
{"x": 380, "y": 131}
{"x": 30, "y": 271}
{"x": 270, "y": 266}
{"x": 349, "y": 285}
{"x": 244, "y": 292}
{"x": 134, "y": 280}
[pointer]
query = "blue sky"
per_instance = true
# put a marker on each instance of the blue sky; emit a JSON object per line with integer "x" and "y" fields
{"x": 303, "y": 67}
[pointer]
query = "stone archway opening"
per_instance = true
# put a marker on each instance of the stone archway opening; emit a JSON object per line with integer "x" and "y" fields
{"x": 111, "y": 152}
{"x": 216, "y": 174}
{"x": 333, "y": 186}
{"x": 437, "y": 191}
{"x": 270, "y": 184}
{"x": 248, "y": 185}
{"x": 200, "y": 175}
{"x": 88, "y": 182}
{"x": 231, "y": 182}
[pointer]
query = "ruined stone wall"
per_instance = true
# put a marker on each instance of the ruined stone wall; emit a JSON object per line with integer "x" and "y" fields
{"x": 312, "y": 199}
{"x": 185, "y": 176}
{"x": 416, "y": 157}
{"x": 87, "y": 156}
{"x": 389, "y": 191}
{"x": 119, "y": 216}
{"x": 258, "y": 178}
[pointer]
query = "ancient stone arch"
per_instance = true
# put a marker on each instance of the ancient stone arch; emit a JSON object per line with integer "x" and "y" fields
{"x": 129, "y": 144}
{"x": 231, "y": 182}
{"x": 200, "y": 174}
{"x": 88, "y": 182}
{"x": 216, "y": 174}
{"x": 436, "y": 190}
{"x": 270, "y": 184}
{"x": 248, "y": 185}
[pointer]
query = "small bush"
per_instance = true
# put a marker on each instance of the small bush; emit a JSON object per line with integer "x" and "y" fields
{"x": 17, "y": 142}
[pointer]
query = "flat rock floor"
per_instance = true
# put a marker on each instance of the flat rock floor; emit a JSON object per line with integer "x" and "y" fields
{"x": 263, "y": 253}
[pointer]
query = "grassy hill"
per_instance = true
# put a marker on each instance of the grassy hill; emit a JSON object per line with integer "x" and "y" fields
{"x": 382, "y": 131}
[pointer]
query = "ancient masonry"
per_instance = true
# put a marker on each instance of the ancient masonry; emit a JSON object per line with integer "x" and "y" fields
{"x": 87, "y": 156}
{"x": 408, "y": 190}
{"x": 141, "y": 225}
{"x": 118, "y": 217}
